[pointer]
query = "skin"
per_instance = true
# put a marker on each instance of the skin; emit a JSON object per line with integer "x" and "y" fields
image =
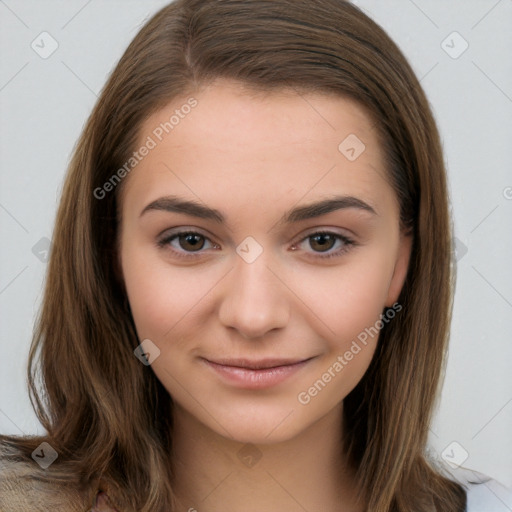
{"x": 253, "y": 157}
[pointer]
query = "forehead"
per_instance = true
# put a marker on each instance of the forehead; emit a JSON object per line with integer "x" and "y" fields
{"x": 246, "y": 147}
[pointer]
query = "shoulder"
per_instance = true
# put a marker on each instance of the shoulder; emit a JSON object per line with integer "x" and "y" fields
{"x": 27, "y": 487}
{"x": 488, "y": 496}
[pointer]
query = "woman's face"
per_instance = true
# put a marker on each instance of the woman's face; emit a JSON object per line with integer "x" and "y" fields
{"x": 265, "y": 309}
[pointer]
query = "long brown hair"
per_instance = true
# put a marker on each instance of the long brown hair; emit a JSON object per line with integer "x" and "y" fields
{"x": 106, "y": 414}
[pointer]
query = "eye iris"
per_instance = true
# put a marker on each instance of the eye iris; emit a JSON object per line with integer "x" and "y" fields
{"x": 322, "y": 242}
{"x": 191, "y": 242}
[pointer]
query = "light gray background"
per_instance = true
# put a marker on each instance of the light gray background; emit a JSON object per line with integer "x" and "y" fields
{"x": 44, "y": 103}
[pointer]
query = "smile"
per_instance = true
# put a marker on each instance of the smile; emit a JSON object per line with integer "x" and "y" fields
{"x": 256, "y": 374}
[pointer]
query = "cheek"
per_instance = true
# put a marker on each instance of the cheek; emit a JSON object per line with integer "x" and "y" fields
{"x": 346, "y": 299}
{"x": 159, "y": 294}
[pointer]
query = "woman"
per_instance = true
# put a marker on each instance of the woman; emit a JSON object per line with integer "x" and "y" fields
{"x": 248, "y": 300}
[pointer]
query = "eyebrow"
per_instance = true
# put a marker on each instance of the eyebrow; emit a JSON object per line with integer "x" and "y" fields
{"x": 300, "y": 213}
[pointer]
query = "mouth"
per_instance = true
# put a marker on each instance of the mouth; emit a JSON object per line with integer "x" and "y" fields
{"x": 256, "y": 374}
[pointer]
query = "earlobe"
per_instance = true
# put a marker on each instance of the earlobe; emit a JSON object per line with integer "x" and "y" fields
{"x": 400, "y": 270}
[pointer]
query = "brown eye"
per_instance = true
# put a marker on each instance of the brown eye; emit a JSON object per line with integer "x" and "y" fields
{"x": 321, "y": 242}
{"x": 191, "y": 242}
{"x": 187, "y": 244}
{"x": 325, "y": 244}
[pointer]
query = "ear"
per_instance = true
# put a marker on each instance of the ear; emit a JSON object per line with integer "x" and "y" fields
{"x": 401, "y": 267}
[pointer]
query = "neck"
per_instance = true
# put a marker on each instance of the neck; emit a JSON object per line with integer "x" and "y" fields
{"x": 214, "y": 473}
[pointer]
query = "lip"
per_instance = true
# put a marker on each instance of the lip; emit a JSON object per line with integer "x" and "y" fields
{"x": 260, "y": 374}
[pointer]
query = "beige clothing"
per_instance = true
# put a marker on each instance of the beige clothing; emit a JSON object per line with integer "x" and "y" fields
{"x": 23, "y": 490}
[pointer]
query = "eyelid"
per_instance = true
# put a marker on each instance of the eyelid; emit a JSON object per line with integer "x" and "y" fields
{"x": 181, "y": 229}
{"x": 337, "y": 231}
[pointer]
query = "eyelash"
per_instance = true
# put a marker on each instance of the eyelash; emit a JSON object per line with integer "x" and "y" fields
{"x": 347, "y": 244}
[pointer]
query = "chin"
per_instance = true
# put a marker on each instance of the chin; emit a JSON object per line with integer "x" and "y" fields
{"x": 262, "y": 425}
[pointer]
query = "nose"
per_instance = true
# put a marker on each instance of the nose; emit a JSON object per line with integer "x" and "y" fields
{"x": 254, "y": 299}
